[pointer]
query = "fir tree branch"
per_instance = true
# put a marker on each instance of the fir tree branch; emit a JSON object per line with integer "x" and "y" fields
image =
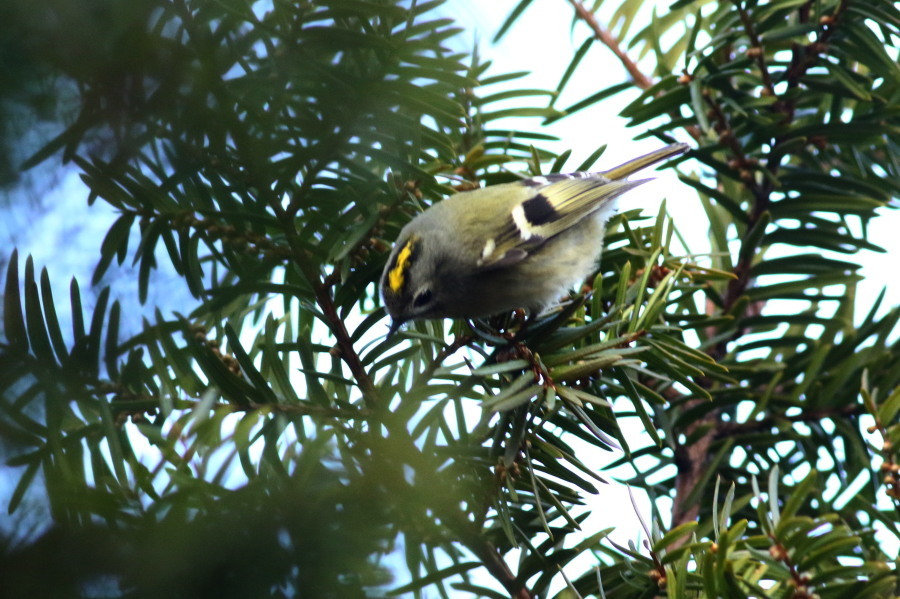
{"x": 495, "y": 564}
{"x": 325, "y": 300}
{"x": 692, "y": 460}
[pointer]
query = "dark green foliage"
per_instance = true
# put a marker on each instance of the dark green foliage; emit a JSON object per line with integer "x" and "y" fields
{"x": 793, "y": 106}
{"x": 273, "y": 535}
{"x": 268, "y": 440}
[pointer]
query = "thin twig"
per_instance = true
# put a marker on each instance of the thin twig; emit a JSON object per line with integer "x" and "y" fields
{"x": 325, "y": 300}
{"x": 756, "y": 50}
{"x": 610, "y": 41}
{"x": 732, "y": 429}
{"x": 497, "y": 566}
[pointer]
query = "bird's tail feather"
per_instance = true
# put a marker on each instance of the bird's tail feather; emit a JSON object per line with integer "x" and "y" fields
{"x": 633, "y": 166}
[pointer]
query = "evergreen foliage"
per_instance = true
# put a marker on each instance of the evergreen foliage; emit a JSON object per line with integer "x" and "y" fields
{"x": 268, "y": 440}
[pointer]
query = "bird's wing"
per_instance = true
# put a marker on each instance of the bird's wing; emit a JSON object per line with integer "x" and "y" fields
{"x": 553, "y": 203}
{"x": 556, "y": 202}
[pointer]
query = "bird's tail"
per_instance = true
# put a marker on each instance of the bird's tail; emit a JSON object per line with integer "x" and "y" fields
{"x": 633, "y": 166}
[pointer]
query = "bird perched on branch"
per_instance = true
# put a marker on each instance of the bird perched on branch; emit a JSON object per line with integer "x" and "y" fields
{"x": 508, "y": 246}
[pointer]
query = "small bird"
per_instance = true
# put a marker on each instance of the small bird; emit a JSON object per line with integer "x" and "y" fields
{"x": 513, "y": 245}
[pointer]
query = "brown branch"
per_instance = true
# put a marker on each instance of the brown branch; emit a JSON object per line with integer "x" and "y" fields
{"x": 756, "y": 50}
{"x": 732, "y": 429}
{"x": 889, "y": 466}
{"x": 800, "y": 581}
{"x": 804, "y": 56}
{"x": 322, "y": 288}
{"x": 692, "y": 460}
{"x": 325, "y": 301}
{"x": 495, "y": 564}
{"x": 498, "y": 568}
{"x": 345, "y": 346}
{"x": 610, "y": 41}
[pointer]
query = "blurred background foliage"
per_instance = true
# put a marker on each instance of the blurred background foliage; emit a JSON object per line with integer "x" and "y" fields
{"x": 267, "y": 440}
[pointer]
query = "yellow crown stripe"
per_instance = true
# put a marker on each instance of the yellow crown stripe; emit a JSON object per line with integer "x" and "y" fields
{"x": 397, "y": 275}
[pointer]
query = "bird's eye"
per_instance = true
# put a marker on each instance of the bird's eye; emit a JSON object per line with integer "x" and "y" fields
{"x": 423, "y": 298}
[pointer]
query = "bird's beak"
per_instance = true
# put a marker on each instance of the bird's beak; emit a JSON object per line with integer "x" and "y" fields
{"x": 396, "y": 323}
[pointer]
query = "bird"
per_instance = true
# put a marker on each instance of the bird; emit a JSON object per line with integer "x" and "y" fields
{"x": 508, "y": 246}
